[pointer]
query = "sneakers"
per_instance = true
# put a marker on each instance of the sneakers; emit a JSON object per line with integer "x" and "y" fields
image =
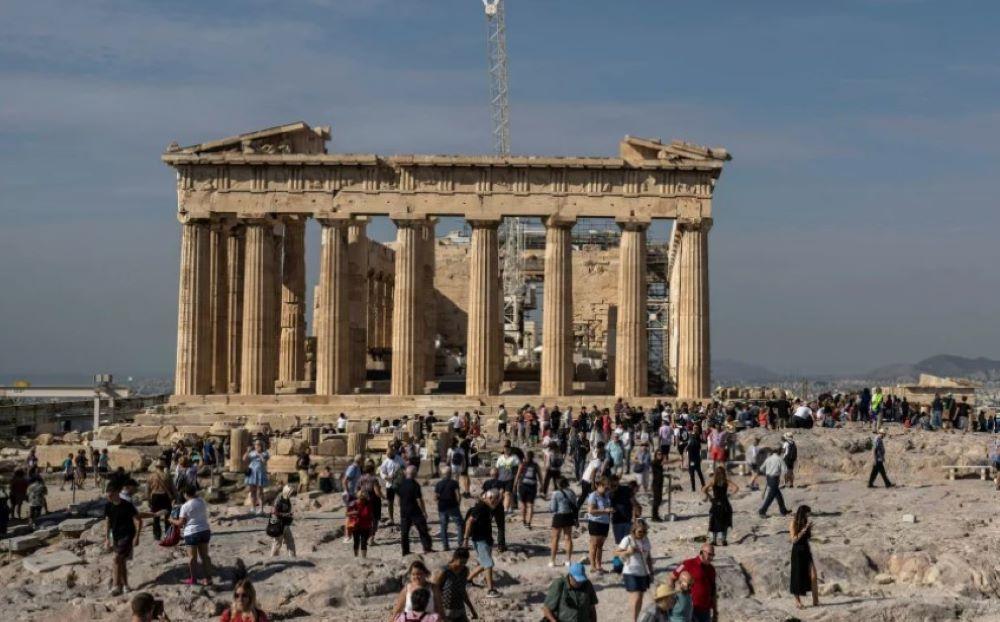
{"x": 494, "y": 593}
{"x": 116, "y": 591}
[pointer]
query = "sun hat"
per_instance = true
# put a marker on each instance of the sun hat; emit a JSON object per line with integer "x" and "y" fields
{"x": 664, "y": 590}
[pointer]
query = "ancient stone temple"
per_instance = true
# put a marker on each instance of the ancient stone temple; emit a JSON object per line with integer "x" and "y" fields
{"x": 243, "y": 203}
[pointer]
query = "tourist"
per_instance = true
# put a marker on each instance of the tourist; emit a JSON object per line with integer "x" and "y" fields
{"x": 4, "y": 511}
{"x": 993, "y": 456}
{"x": 507, "y": 465}
{"x": 937, "y": 410}
{"x": 80, "y": 472}
{"x": 342, "y": 424}
{"x": 656, "y": 467}
{"x": 433, "y": 448}
{"x": 803, "y": 578}
{"x": 145, "y": 608}
{"x": 412, "y": 512}
{"x": 502, "y": 417}
{"x": 451, "y": 582}
{"x": 552, "y": 462}
{"x": 717, "y": 446}
{"x": 683, "y": 607}
{"x": 449, "y": 505}
{"x": 282, "y": 512}
{"x": 616, "y": 452}
{"x": 193, "y": 523}
{"x": 302, "y": 464}
{"x": 773, "y": 469}
{"x": 750, "y": 462}
{"x": 526, "y": 482}
{"x": 256, "y": 474}
{"x": 663, "y": 602}
{"x": 878, "y": 460}
{"x": 499, "y": 516}
{"x": 692, "y": 454}
{"x": 789, "y": 454}
{"x": 456, "y": 458}
{"x": 593, "y": 472}
{"x": 419, "y": 602}
{"x": 565, "y": 515}
{"x": 162, "y": 496}
{"x": 186, "y": 474}
{"x": 638, "y": 569}
{"x": 361, "y": 517}
{"x": 244, "y": 607}
{"x": 37, "y": 502}
{"x": 571, "y": 598}
{"x": 599, "y": 513}
{"x": 641, "y": 461}
{"x": 479, "y": 530}
{"x": 325, "y": 480}
{"x": 720, "y": 516}
{"x": 369, "y": 484}
{"x": 121, "y": 535}
{"x": 68, "y": 471}
{"x": 622, "y": 496}
{"x": 417, "y": 578}
{"x": 704, "y": 592}
{"x": 391, "y": 472}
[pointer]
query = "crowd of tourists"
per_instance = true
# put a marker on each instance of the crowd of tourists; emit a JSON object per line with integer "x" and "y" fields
{"x": 590, "y": 468}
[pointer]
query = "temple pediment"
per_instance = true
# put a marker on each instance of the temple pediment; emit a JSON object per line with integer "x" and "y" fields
{"x": 291, "y": 138}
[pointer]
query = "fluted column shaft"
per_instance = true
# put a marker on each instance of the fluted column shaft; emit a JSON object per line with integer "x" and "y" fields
{"x": 333, "y": 312}
{"x": 481, "y": 376}
{"x": 258, "y": 358}
{"x": 234, "y": 309}
{"x": 357, "y": 251}
{"x": 292, "y": 360}
{"x": 428, "y": 304}
{"x": 388, "y": 309}
{"x": 632, "y": 354}
{"x": 218, "y": 302}
{"x": 406, "y": 320}
{"x": 194, "y": 356}
{"x": 557, "y": 315}
{"x": 694, "y": 355}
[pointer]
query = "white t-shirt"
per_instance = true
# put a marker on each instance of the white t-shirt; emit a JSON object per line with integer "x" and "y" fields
{"x": 388, "y": 470}
{"x": 803, "y": 412}
{"x": 591, "y": 469}
{"x": 196, "y": 512}
{"x": 635, "y": 564}
{"x": 341, "y": 424}
{"x": 507, "y": 467}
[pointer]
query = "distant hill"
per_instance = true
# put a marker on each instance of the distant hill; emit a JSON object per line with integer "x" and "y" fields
{"x": 731, "y": 372}
{"x": 947, "y": 365}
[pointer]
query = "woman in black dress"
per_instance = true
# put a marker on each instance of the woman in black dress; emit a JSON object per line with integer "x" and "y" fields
{"x": 720, "y": 516}
{"x": 803, "y": 569}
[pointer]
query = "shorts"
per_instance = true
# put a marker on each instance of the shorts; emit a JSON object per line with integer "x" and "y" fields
{"x": 68, "y": 477}
{"x": 484, "y": 553}
{"x": 636, "y": 582}
{"x": 718, "y": 454}
{"x": 790, "y": 464}
{"x": 508, "y": 486}
{"x": 561, "y": 521}
{"x": 103, "y": 470}
{"x": 502, "y": 428}
{"x": 527, "y": 492}
{"x": 202, "y": 537}
{"x": 123, "y": 547}
{"x": 595, "y": 528}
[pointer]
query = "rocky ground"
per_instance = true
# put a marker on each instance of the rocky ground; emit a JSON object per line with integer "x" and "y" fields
{"x": 873, "y": 564}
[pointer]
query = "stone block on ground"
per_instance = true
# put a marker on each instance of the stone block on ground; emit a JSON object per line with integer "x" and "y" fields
{"x": 72, "y": 437}
{"x": 21, "y": 544}
{"x": 909, "y": 518}
{"x": 288, "y": 446}
{"x": 46, "y": 562}
{"x": 73, "y": 527}
{"x": 44, "y": 439}
{"x": 112, "y": 434}
{"x": 336, "y": 446}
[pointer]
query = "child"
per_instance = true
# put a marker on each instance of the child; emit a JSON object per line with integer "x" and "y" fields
{"x": 67, "y": 468}
{"x": 359, "y": 522}
{"x": 36, "y": 500}
{"x": 4, "y": 512}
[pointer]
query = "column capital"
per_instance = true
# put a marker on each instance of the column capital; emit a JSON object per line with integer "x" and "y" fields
{"x": 695, "y": 224}
{"x": 558, "y": 221}
{"x": 332, "y": 220}
{"x": 411, "y": 220}
{"x": 197, "y": 218}
{"x": 483, "y": 223}
{"x": 633, "y": 224}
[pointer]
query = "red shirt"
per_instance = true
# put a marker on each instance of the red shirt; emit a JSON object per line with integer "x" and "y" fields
{"x": 362, "y": 514}
{"x": 703, "y": 582}
{"x": 228, "y": 616}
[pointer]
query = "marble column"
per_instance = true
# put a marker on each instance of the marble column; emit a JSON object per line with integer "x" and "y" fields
{"x": 406, "y": 316}
{"x": 428, "y": 306}
{"x": 292, "y": 358}
{"x": 388, "y": 299}
{"x": 357, "y": 253}
{"x": 557, "y": 313}
{"x": 333, "y": 312}
{"x": 371, "y": 314}
{"x": 694, "y": 362}
{"x": 257, "y": 363}
{"x": 481, "y": 376}
{"x": 234, "y": 309}
{"x": 218, "y": 304}
{"x": 277, "y": 247}
{"x": 194, "y": 353}
{"x": 631, "y": 352}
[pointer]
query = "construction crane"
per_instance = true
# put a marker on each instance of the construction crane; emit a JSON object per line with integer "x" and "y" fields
{"x": 511, "y": 232}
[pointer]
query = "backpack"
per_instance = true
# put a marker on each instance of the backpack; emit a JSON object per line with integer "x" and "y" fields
{"x": 793, "y": 452}
{"x": 556, "y": 462}
{"x": 457, "y": 458}
{"x": 274, "y": 527}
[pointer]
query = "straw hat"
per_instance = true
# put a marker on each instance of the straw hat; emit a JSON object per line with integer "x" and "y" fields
{"x": 664, "y": 590}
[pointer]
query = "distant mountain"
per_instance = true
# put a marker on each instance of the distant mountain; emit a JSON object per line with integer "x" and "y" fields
{"x": 947, "y": 365}
{"x": 731, "y": 372}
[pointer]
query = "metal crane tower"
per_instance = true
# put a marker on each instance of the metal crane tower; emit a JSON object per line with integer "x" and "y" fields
{"x": 511, "y": 232}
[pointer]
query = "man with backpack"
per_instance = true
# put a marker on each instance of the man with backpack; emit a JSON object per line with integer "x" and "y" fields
{"x": 571, "y": 598}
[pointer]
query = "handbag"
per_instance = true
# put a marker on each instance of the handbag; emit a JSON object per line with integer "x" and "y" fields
{"x": 274, "y": 527}
{"x": 617, "y": 565}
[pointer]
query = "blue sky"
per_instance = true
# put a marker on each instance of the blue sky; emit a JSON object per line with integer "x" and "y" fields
{"x": 856, "y": 226}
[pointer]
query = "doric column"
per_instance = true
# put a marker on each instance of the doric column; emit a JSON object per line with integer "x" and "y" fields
{"x": 257, "y": 363}
{"x": 481, "y": 376}
{"x": 218, "y": 303}
{"x": 292, "y": 358}
{"x": 234, "y": 309}
{"x": 557, "y": 314}
{"x": 694, "y": 362}
{"x": 277, "y": 247}
{"x": 371, "y": 316}
{"x": 388, "y": 306}
{"x": 357, "y": 253}
{"x": 194, "y": 353}
{"x": 631, "y": 353}
{"x": 406, "y": 316}
{"x": 332, "y": 311}
{"x": 428, "y": 305}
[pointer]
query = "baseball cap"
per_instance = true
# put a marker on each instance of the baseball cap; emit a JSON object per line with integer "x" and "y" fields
{"x": 577, "y": 572}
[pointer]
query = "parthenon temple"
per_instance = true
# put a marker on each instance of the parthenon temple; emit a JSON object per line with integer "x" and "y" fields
{"x": 380, "y": 316}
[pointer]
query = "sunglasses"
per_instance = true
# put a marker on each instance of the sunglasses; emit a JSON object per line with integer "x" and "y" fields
{"x": 242, "y": 595}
